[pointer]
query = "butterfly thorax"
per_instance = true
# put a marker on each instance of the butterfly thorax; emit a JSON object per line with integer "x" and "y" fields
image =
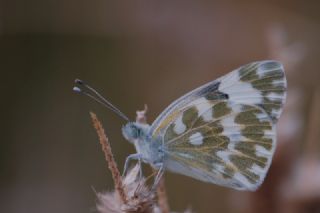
{"x": 139, "y": 135}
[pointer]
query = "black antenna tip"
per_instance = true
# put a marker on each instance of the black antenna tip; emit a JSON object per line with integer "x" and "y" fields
{"x": 78, "y": 81}
{"x": 77, "y": 89}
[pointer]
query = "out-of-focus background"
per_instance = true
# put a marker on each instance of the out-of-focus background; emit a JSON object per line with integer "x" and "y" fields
{"x": 152, "y": 52}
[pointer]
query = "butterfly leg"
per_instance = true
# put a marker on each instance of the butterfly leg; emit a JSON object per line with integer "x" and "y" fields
{"x": 158, "y": 177}
{"x": 131, "y": 157}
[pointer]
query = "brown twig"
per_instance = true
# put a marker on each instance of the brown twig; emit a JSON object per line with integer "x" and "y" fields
{"x": 109, "y": 158}
{"x": 312, "y": 148}
{"x": 162, "y": 197}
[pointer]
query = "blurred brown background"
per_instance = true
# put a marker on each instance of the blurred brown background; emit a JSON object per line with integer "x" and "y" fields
{"x": 138, "y": 52}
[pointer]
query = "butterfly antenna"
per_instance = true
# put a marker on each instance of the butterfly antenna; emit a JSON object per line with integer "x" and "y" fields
{"x": 85, "y": 89}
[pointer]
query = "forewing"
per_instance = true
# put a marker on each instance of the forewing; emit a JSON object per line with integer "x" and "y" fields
{"x": 261, "y": 83}
{"x": 221, "y": 142}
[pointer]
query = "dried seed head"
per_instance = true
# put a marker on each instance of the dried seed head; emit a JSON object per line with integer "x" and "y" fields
{"x": 140, "y": 199}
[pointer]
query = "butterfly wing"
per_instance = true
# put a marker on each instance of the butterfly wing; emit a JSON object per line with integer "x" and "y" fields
{"x": 261, "y": 83}
{"x": 258, "y": 83}
{"x": 227, "y": 143}
{"x": 223, "y": 132}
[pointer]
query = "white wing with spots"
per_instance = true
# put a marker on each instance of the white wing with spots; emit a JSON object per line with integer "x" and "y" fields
{"x": 224, "y": 131}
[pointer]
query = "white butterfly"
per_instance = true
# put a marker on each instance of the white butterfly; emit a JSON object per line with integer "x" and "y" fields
{"x": 222, "y": 132}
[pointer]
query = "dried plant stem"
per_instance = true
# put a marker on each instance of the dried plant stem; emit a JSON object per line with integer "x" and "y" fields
{"x": 109, "y": 158}
{"x": 162, "y": 197}
{"x": 312, "y": 148}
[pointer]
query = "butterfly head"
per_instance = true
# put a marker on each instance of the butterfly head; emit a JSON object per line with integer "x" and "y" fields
{"x": 133, "y": 131}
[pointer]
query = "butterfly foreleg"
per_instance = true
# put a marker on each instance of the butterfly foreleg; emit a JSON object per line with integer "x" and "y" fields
{"x": 136, "y": 156}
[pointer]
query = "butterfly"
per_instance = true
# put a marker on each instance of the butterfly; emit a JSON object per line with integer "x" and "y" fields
{"x": 223, "y": 132}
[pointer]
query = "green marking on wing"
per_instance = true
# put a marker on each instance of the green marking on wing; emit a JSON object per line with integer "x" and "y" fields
{"x": 189, "y": 116}
{"x": 220, "y": 109}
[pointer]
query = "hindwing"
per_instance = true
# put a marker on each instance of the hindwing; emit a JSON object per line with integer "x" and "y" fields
{"x": 229, "y": 144}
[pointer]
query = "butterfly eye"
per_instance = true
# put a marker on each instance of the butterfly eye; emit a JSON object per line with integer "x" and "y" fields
{"x": 135, "y": 131}
{"x": 131, "y": 131}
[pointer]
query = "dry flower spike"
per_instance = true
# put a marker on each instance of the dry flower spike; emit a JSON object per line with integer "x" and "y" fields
{"x": 109, "y": 158}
